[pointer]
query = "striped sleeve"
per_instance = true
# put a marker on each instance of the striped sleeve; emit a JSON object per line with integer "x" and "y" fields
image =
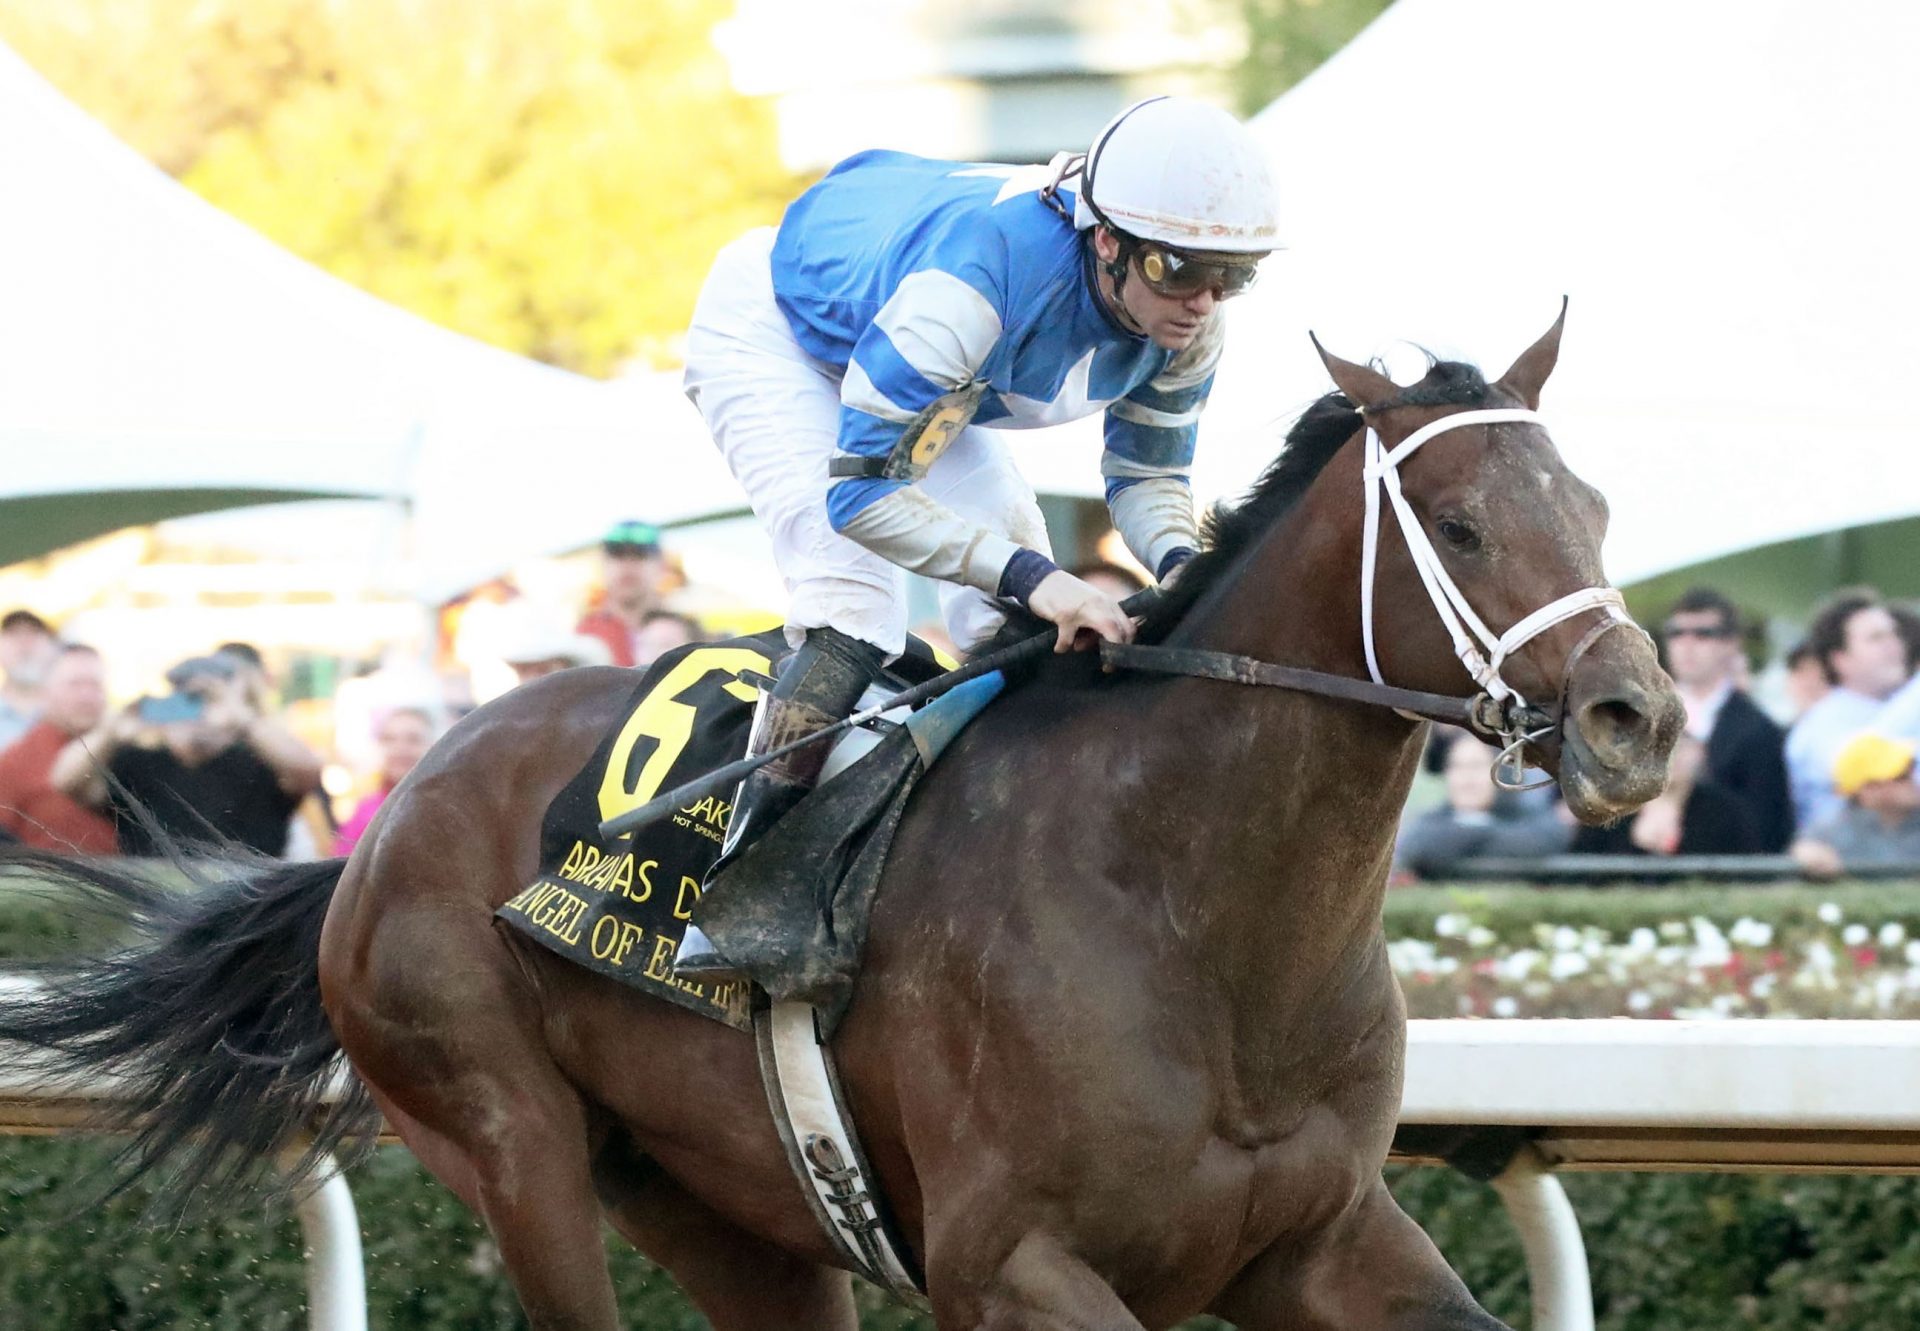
{"x": 1150, "y": 436}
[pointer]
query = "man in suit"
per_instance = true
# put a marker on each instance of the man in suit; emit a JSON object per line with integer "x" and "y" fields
{"x": 1701, "y": 641}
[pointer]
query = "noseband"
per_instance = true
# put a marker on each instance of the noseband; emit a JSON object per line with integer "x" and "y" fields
{"x": 1499, "y": 712}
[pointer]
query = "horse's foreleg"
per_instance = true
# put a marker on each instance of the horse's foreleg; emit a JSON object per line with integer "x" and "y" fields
{"x": 1376, "y": 1271}
{"x": 1038, "y": 1286}
{"x": 741, "y": 1282}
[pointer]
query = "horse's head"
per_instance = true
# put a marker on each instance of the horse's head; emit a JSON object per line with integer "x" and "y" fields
{"x": 1511, "y": 589}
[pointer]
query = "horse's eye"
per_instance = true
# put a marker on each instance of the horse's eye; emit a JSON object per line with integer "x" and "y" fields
{"x": 1458, "y": 534}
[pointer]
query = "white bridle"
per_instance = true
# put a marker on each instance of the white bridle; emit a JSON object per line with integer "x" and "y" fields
{"x": 1449, "y": 602}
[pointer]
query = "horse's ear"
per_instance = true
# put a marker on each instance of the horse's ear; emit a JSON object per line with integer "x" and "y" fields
{"x": 1364, "y": 387}
{"x": 1525, "y": 376}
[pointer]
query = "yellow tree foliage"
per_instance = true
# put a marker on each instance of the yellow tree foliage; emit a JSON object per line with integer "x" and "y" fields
{"x": 552, "y": 176}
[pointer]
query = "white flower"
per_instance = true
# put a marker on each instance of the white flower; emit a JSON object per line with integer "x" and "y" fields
{"x": 1446, "y": 965}
{"x": 1517, "y": 965}
{"x": 1710, "y": 945}
{"x": 1565, "y": 939}
{"x": 1481, "y": 936}
{"x": 1642, "y": 941}
{"x": 1892, "y": 934}
{"x": 1749, "y": 932}
{"x": 1886, "y": 989}
{"x": 1566, "y": 965}
{"x": 1410, "y": 956}
{"x": 1505, "y": 1006}
{"x": 1820, "y": 960}
{"x": 1672, "y": 929}
{"x": 1913, "y": 954}
{"x": 1639, "y": 1001}
{"x": 1762, "y": 986}
{"x": 1829, "y": 913}
{"x": 1450, "y": 925}
{"x": 1854, "y": 935}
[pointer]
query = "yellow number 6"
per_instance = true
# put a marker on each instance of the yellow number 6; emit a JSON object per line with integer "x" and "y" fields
{"x": 665, "y": 718}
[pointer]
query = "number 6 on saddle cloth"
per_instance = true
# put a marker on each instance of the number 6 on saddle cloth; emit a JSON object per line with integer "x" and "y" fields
{"x": 618, "y": 903}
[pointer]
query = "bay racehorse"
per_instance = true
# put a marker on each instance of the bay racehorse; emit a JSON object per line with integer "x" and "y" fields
{"x": 1126, "y": 1047}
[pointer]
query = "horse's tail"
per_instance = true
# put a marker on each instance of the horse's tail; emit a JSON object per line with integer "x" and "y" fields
{"x": 210, "y": 1023}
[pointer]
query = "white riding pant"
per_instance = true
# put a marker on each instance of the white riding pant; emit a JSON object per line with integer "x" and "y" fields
{"x": 774, "y": 412}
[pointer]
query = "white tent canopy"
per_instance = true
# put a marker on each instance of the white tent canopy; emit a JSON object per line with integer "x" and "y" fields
{"x": 1723, "y": 189}
{"x": 1721, "y": 186}
{"x": 153, "y": 348}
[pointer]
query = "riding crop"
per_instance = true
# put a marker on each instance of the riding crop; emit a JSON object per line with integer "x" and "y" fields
{"x": 720, "y": 778}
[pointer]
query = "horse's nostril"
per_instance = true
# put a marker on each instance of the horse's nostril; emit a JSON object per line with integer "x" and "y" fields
{"x": 1613, "y": 727}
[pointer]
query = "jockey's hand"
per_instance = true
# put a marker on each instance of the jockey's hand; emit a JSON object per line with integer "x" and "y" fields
{"x": 1085, "y": 614}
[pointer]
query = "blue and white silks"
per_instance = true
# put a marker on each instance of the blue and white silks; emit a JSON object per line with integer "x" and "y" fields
{"x": 915, "y": 277}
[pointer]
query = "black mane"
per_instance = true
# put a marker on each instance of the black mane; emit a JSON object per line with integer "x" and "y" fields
{"x": 1231, "y": 530}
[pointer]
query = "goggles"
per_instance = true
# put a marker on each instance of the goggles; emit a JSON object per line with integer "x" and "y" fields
{"x": 1179, "y": 273}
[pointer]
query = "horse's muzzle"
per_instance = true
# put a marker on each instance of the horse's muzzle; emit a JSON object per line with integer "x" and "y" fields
{"x": 1615, "y": 741}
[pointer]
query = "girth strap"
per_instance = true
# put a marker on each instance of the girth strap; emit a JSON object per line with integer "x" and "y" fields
{"x": 1479, "y": 712}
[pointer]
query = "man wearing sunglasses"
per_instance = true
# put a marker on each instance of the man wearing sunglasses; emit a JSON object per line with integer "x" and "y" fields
{"x": 843, "y": 364}
{"x": 1700, "y": 640}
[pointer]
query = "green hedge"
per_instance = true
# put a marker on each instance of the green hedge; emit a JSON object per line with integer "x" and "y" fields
{"x": 1668, "y": 1252}
{"x": 1700, "y": 1252}
{"x": 37, "y": 922}
{"x": 1704, "y": 1252}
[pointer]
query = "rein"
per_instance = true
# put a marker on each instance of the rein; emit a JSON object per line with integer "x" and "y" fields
{"x": 1499, "y": 711}
{"x": 1481, "y": 712}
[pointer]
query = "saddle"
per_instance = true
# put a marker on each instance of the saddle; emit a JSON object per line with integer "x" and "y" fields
{"x": 799, "y": 898}
{"x": 801, "y": 894}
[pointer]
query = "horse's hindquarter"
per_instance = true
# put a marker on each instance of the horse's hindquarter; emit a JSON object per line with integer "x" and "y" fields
{"x": 449, "y": 1016}
{"x": 1041, "y": 1045}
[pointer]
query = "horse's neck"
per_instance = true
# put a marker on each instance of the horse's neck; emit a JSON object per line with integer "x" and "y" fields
{"x": 1290, "y": 911}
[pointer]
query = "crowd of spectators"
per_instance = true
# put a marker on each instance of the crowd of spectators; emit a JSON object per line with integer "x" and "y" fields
{"x": 205, "y": 761}
{"x": 212, "y": 757}
{"x": 1822, "y": 775}
{"x": 1828, "y": 779}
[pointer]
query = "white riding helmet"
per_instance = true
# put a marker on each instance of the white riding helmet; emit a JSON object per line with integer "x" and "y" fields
{"x": 1182, "y": 173}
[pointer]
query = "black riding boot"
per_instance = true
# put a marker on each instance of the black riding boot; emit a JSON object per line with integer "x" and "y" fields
{"x": 819, "y": 684}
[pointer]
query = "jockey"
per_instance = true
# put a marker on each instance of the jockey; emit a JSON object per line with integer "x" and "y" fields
{"x": 843, "y": 362}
